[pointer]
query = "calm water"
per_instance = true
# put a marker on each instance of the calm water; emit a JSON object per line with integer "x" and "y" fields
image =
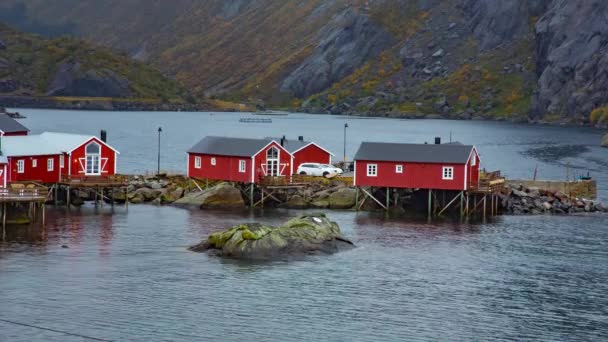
{"x": 128, "y": 276}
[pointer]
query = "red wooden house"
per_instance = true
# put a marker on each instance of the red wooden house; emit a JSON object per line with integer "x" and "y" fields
{"x": 49, "y": 157}
{"x": 11, "y": 127}
{"x": 305, "y": 152}
{"x": 238, "y": 159}
{"x": 417, "y": 166}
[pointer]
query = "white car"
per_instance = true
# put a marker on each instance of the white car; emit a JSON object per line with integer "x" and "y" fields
{"x": 320, "y": 170}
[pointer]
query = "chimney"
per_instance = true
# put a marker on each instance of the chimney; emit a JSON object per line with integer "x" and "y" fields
{"x": 301, "y": 138}
{"x": 437, "y": 140}
{"x": 283, "y": 141}
{"x": 103, "y": 136}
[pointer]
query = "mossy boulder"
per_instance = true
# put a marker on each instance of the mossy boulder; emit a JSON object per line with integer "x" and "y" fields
{"x": 301, "y": 236}
{"x": 605, "y": 141}
{"x": 221, "y": 196}
{"x": 344, "y": 198}
{"x": 297, "y": 202}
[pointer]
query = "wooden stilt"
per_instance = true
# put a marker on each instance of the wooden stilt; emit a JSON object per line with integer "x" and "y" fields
{"x": 430, "y": 208}
{"x": 68, "y": 203}
{"x": 43, "y": 214}
{"x": 3, "y": 221}
{"x": 127, "y": 198}
{"x": 388, "y": 198}
{"x": 251, "y": 192}
{"x": 452, "y": 202}
{"x": 56, "y": 193}
{"x": 461, "y": 205}
{"x": 369, "y": 195}
{"x": 485, "y": 200}
{"x": 357, "y": 199}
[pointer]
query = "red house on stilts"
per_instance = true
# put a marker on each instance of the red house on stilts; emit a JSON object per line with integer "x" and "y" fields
{"x": 305, "y": 152}
{"x": 11, "y": 127}
{"x": 51, "y": 157}
{"x": 238, "y": 159}
{"x": 417, "y": 166}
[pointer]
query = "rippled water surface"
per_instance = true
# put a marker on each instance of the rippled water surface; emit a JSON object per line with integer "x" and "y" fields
{"x": 128, "y": 276}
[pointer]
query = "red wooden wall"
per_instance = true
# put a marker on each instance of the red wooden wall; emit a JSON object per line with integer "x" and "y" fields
{"x": 310, "y": 154}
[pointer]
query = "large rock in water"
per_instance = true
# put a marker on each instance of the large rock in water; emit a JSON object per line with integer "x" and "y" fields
{"x": 605, "y": 141}
{"x": 305, "y": 235}
{"x": 345, "y": 198}
{"x": 221, "y": 196}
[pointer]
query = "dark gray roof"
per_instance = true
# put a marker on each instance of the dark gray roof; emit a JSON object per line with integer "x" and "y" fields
{"x": 415, "y": 153}
{"x": 291, "y": 145}
{"x": 226, "y": 146}
{"x": 10, "y": 125}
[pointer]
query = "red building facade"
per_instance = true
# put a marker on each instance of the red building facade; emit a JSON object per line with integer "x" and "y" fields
{"x": 412, "y": 166}
{"x": 238, "y": 159}
{"x": 311, "y": 153}
{"x": 48, "y": 157}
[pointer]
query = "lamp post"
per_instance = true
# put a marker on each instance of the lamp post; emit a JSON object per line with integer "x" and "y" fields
{"x": 160, "y": 130}
{"x": 345, "y": 127}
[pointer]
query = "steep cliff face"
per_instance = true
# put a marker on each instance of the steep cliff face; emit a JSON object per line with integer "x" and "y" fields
{"x": 33, "y": 66}
{"x": 511, "y": 59}
{"x": 572, "y": 58}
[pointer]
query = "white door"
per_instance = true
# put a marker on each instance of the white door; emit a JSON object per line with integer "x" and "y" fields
{"x": 272, "y": 162}
{"x": 93, "y": 158}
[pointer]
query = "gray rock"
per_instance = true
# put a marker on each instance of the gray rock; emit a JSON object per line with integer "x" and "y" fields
{"x": 297, "y": 202}
{"x": 148, "y": 194}
{"x": 439, "y": 53}
{"x": 347, "y": 41}
{"x": 344, "y": 198}
{"x": 299, "y": 237}
{"x": 71, "y": 80}
{"x": 547, "y": 206}
{"x": 221, "y": 196}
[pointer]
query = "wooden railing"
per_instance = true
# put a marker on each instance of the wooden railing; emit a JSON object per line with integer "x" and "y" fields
{"x": 23, "y": 192}
{"x": 116, "y": 180}
{"x": 300, "y": 180}
{"x": 489, "y": 182}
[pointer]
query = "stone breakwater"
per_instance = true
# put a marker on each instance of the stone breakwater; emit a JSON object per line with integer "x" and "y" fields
{"x": 325, "y": 194}
{"x": 519, "y": 200}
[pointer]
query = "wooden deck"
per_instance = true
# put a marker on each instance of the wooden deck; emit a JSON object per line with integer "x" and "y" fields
{"x": 95, "y": 181}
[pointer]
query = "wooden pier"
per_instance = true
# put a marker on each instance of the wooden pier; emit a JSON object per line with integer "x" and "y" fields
{"x": 30, "y": 197}
{"x": 98, "y": 184}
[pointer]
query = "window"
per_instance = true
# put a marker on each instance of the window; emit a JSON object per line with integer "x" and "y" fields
{"x": 197, "y": 162}
{"x": 50, "y": 164}
{"x": 61, "y": 162}
{"x": 399, "y": 169}
{"x": 34, "y": 162}
{"x": 92, "y": 159}
{"x": 213, "y": 161}
{"x": 448, "y": 173}
{"x": 20, "y": 166}
{"x": 372, "y": 170}
{"x": 242, "y": 166}
{"x": 474, "y": 161}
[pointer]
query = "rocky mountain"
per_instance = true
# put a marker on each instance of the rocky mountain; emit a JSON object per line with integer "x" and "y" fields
{"x": 508, "y": 59}
{"x": 67, "y": 67}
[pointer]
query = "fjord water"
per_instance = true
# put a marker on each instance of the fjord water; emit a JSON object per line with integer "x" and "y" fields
{"x": 128, "y": 276}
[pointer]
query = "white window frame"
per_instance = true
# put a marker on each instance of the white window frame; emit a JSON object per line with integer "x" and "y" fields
{"x": 61, "y": 161}
{"x": 370, "y": 168}
{"x": 198, "y": 162}
{"x": 474, "y": 161}
{"x": 398, "y": 168}
{"x": 50, "y": 164}
{"x": 447, "y": 173}
{"x": 34, "y": 163}
{"x": 21, "y": 166}
{"x": 242, "y": 166}
{"x": 213, "y": 161}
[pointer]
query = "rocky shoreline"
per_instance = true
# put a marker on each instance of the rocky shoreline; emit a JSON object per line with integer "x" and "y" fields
{"x": 100, "y": 104}
{"x": 329, "y": 194}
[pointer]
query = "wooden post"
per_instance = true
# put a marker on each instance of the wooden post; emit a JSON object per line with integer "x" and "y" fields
{"x": 251, "y": 192}
{"x": 461, "y": 205}
{"x": 357, "y": 199}
{"x": 388, "y": 198}
{"x": 4, "y": 221}
{"x": 56, "y": 193}
{"x": 430, "y": 208}
{"x": 485, "y": 199}
{"x": 68, "y": 203}
{"x": 127, "y": 198}
{"x": 43, "y": 214}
